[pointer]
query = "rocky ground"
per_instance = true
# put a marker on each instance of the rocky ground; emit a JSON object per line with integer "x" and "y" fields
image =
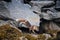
{"x": 9, "y": 32}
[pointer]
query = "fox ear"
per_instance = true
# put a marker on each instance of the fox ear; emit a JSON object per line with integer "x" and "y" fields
{"x": 7, "y": 0}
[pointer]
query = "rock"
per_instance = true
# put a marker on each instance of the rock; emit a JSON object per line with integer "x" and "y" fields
{"x": 52, "y": 26}
{"x": 58, "y": 35}
{"x": 9, "y": 32}
{"x": 40, "y": 4}
{"x": 34, "y": 35}
{"x": 13, "y": 22}
{"x": 47, "y": 36}
{"x": 30, "y": 37}
{"x": 44, "y": 36}
{"x": 23, "y": 38}
{"x": 3, "y": 10}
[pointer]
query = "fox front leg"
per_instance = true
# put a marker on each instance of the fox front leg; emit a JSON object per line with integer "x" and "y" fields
{"x": 33, "y": 31}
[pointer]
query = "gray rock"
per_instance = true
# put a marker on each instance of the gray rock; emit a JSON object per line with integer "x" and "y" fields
{"x": 13, "y": 22}
{"x": 51, "y": 26}
{"x": 37, "y": 5}
{"x": 47, "y": 36}
{"x": 23, "y": 38}
{"x": 3, "y": 10}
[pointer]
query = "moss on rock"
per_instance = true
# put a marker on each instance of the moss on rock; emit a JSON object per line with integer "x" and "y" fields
{"x": 41, "y": 37}
{"x": 30, "y": 37}
{"x": 9, "y": 33}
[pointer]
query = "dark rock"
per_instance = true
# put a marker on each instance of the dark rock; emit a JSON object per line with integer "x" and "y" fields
{"x": 7, "y": 0}
{"x": 58, "y": 35}
{"x": 27, "y": 1}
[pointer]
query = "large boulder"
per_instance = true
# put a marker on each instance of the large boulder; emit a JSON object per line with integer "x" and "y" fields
{"x": 37, "y": 5}
{"x": 52, "y": 9}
